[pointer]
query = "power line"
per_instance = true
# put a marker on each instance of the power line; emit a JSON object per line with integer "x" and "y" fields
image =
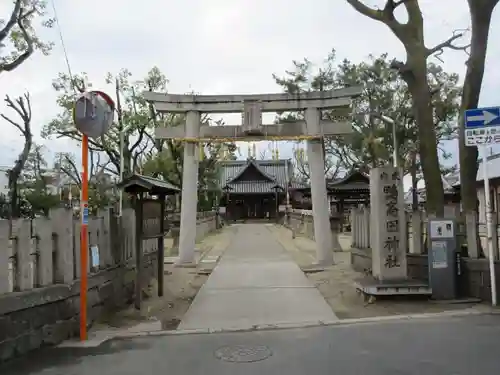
{"x": 63, "y": 45}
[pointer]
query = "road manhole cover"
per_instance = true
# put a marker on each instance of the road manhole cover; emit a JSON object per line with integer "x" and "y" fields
{"x": 243, "y": 353}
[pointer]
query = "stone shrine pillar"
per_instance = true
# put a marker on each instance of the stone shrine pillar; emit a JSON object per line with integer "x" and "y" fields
{"x": 320, "y": 206}
{"x": 387, "y": 224}
{"x": 189, "y": 203}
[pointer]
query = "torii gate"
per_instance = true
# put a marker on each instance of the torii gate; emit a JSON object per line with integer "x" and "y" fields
{"x": 312, "y": 129}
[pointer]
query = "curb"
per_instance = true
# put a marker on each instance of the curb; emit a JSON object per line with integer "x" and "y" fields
{"x": 108, "y": 336}
{"x": 343, "y": 322}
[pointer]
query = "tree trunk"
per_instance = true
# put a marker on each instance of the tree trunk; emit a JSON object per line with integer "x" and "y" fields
{"x": 422, "y": 108}
{"x": 14, "y": 175}
{"x": 480, "y": 19}
{"x": 480, "y": 12}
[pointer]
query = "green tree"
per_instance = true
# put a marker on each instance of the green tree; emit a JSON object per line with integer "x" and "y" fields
{"x": 18, "y": 37}
{"x": 480, "y": 14}
{"x": 415, "y": 73}
{"x": 385, "y": 93}
{"x": 38, "y": 183}
{"x": 168, "y": 162}
{"x": 134, "y": 117}
{"x": 137, "y": 119}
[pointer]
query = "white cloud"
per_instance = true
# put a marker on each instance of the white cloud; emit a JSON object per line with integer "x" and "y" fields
{"x": 217, "y": 46}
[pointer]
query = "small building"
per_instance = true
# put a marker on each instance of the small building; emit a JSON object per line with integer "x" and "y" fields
{"x": 254, "y": 189}
{"x": 352, "y": 190}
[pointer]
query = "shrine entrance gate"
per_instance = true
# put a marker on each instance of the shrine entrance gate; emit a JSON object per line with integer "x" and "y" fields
{"x": 312, "y": 129}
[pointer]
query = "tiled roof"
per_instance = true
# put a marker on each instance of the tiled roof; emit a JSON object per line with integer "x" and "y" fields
{"x": 352, "y": 181}
{"x": 354, "y": 186}
{"x": 137, "y": 182}
{"x": 298, "y": 185}
{"x": 351, "y": 177}
{"x": 244, "y": 168}
{"x": 252, "y": 187}
{"x": 274, "y": 174}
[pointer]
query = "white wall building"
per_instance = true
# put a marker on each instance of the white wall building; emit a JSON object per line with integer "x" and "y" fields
{"x": 494, "y": 177}
{"x": 4, "y": 180}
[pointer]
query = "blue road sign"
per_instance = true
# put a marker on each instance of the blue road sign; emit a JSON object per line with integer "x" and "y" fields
{"x": 482, "y": 117}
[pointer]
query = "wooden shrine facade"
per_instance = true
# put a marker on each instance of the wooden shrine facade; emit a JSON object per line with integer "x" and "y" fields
{"x": 254, "y": 189}
{"x": 349, "y": 191}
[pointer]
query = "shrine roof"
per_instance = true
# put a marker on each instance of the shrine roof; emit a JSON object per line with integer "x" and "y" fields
{"x": 352, "y": 181}
{"x": 137, "y": 183}
{"x": 253, "y": 187}
{"x": 350, "y": 177}
{"x": 252, "y": 163}
{"x": 349, "y": 187}
{"x": 275, "y": 173}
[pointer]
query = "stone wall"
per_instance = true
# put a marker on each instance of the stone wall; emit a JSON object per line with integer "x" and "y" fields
{"x": 47, "y": 314}
{"x": 207, "y": 222}
{"x": 50, "y": 315}
{"x": 474, "y": 280}
{"x": 301, "y": 222}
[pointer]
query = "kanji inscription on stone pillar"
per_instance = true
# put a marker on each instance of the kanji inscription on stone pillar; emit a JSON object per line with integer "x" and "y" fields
{"x": 387, "y": 224}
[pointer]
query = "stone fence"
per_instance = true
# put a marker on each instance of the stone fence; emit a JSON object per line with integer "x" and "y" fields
{"x": 301, "y": 222}
{"x": 474, "y": 280}
{"x": 40, "y": 272}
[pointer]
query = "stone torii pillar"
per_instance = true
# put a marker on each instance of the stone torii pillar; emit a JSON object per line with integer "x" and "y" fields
{"x": 312, "y": 129}
{"x": 189, "y": 199}
{"x": 320, "y": 205}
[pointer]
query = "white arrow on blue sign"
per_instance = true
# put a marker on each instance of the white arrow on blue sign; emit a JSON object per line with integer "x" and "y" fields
{"x": 482, "y": 127}
{"x": 482, "y": 117}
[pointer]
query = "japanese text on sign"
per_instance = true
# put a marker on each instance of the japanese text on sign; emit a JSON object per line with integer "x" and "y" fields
{"x": 484, "y": 136}
{"x": 392, "y": 241}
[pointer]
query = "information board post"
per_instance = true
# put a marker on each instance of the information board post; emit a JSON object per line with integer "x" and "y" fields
{"x": 482, "y": 128}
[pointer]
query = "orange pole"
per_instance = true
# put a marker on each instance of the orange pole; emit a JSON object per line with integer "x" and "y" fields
{"x": 84, "y": 248}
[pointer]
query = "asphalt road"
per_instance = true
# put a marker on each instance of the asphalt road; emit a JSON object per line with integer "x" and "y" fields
{"x": 441, "y": 346}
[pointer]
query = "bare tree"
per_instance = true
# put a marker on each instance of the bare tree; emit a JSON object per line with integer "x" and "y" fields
{"x": 68, "y": 166}
{"x": 414, "y": 72}
{"x": 22, "y": 107}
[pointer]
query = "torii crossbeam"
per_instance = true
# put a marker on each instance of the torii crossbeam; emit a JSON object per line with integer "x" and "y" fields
{"x": 252, "y": 107}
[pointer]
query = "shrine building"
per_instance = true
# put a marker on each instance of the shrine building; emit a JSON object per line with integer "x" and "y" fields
{"x": 255, "y": 189}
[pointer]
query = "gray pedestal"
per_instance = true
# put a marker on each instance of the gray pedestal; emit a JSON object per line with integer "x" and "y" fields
{"x": 442, "y": 257}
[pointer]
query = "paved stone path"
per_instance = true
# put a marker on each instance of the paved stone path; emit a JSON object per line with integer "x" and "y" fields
{"x": 256, "y": 284}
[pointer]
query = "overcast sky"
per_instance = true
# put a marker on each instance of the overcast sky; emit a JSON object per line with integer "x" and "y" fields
{"x": 216, "y": 46}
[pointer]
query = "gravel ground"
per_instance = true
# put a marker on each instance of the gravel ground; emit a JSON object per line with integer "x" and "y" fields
{"x": 180, "y": 287}
{"x": 336, "y": 284}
